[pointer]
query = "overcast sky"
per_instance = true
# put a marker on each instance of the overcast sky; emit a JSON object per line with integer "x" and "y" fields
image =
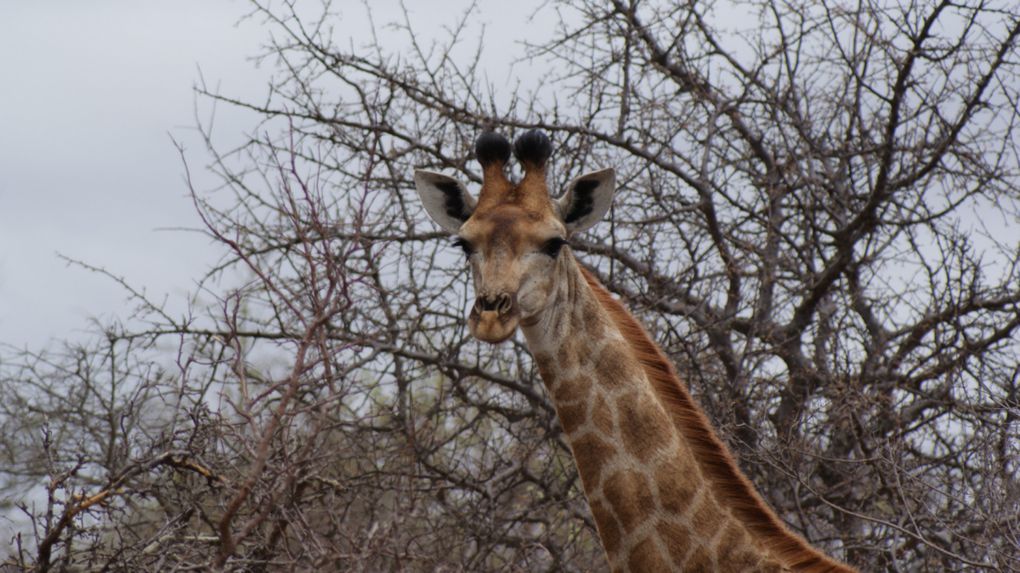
{"x": 91, "y": 92}
{"x": 90, "y": 96}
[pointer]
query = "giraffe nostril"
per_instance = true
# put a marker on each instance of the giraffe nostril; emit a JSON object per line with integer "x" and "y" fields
{"x": 486, "y": 303}
{"x": 502, "y": 303}
{"x": 505, "y": 304}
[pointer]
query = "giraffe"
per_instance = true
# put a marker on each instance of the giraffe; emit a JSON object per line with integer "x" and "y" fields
{"x": 665, "y": 492}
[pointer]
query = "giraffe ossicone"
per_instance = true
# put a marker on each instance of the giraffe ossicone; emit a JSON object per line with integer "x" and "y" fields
{"x": 664, "y": 490}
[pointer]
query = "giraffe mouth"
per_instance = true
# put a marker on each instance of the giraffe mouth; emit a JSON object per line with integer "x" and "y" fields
{"x": 491, "y": 326}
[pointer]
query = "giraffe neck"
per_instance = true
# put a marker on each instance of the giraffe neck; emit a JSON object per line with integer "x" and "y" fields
{"x": 640, "y": 444}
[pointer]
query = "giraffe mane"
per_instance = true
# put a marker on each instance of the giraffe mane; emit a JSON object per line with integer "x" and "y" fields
{"x": 709, "y": 450}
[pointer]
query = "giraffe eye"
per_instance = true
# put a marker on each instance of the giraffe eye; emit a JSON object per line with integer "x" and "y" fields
{"x": 551, "y": 248}
{"x": 464, "y": 246}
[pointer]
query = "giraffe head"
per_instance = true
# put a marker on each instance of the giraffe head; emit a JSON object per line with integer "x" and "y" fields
{"x": 514, "y": 233}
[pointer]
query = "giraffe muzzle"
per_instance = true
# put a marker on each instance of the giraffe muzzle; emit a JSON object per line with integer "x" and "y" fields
{"x": 502, "y": 304}
{"x": 494, "y": 318}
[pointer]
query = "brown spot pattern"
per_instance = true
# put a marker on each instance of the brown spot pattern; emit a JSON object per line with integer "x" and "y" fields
{"x": 675, "y": 537}
{"x": 699, "y": 561}
{"x": 591, "y": 454}
{"x": 677, "y": 486}
{"x": 630, "y": 495}
{"x": 732, "y": 538}
{"x": 644, "y": 425}
{"x": 615, "y": 368}
{"x": 646, "y": 556}
{"x": 548, "y": 374}
{"x": 735, "y": 551}
{"x": 572, "y": 415}
{"x": 707, "y": 517}
{"x": 741, "y": 560}
{"x": 569, "y": 354}
{"x": 602, "y": 415}
{"x": 573, "y": 388}
{"x": 705, "y": 454}
{"x": 609, "y": 528}
{"x": 596, "y": 329}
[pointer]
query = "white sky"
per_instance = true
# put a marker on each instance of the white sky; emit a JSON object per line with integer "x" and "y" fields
{"x": 90, "y": 94}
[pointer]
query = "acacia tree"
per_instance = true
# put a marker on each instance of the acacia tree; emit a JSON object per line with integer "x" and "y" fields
{"x": 814, "y": 219}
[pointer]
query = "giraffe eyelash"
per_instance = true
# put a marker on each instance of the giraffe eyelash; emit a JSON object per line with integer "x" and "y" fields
{"x": 552, "y": 247}
{"x": 464, "y": 246}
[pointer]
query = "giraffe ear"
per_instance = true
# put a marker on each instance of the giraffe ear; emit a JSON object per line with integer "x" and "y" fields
{"x": 587, "y": 199}
{"x": 445, "y": 199}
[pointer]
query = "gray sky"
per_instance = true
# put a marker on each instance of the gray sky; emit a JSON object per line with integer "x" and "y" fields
{"x": 91, "y": 93}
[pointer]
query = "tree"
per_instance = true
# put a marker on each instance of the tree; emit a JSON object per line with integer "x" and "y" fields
{"x": 814, "y": 220}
